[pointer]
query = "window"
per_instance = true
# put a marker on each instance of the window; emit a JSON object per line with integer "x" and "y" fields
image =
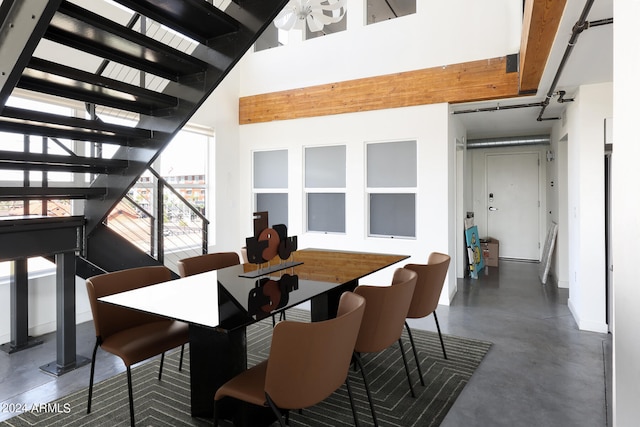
{"x": 271, "y": 185}
{"x": 187, "y": 154}
{"x": 325, "y": 188}
{"x": 334, "y": 27}
{"x": 391, "y": 188}
{"x": 37, "y": 144}
{"x": 383, "y": 10}
{"x": 271, "y": 37}
{"x": 333, "y": 21}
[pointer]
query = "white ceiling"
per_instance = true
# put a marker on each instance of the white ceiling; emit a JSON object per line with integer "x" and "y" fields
{"x": 590, "y": 61}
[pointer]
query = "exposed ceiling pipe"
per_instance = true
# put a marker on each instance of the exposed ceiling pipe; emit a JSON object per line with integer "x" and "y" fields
{"x": 578, "y": 28}
{"x": 499, "y": 107}
{"x": 509, "y": 141}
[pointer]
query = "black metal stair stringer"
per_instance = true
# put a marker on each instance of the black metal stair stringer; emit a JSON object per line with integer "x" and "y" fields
{"x": 22, "y": 24}
{"x": 111, "y": 251}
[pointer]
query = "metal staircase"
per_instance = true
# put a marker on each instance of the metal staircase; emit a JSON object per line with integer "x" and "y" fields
{"x": 154, "y": 79}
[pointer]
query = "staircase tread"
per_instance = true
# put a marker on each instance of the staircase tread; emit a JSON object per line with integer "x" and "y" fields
{"x": 56, "y": 79}
{"x": 21, "y": 115}
{"x": 59, "y": 162}
{"x": 51, "y": 192}
{"x": 92, "y": 33}
{"x": 197, "y": 19}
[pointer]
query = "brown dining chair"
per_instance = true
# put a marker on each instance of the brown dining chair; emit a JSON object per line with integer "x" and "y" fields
{"x": 307, "y": 363}
{"x": 203, "y": 263}
{"x": 207, "y": 262}
{"x": 425, "y": 299}
{"x": 131, "y": 335}
{"x": 384, "y": 317}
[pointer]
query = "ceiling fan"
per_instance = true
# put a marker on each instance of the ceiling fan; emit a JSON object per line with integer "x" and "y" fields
{"x": 316, "y": 13}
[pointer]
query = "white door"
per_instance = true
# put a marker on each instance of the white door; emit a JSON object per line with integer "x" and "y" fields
{"x": 513, "y": 204}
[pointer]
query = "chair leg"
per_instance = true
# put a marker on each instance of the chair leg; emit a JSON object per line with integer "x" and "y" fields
{"x": 358, "y": 361}
{"x": 93, "y": 368}
{"x": 440, "y": 334}
{"x": 181, "y": 357}
{"x": 353, "y": 406}
{"x": 406, "y": 367}
{"x": 161, "y": 365}
{"x": 275, "y": 410}
{"x": 415, "y": 352}
{"x": 133, "y": 421}
{"x": 283, "y": 316}
{"x": 215, "y": 413}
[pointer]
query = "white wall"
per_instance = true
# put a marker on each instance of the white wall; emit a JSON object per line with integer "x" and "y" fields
{"x": 437, "y": 34}
{"x": 626, "y": 221}
{"x": 42, "y": 305}
{"x": 459, "y": 185}
{"x": 585, "y": 168}
{"x": 428, "y": 124}
{"x": 557, "y": 203}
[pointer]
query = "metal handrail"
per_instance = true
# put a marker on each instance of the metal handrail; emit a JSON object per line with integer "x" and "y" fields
{"x": 157, "y": 231}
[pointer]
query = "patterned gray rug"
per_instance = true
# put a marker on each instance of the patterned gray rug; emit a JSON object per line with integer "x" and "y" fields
{"x": 166, "y": 402}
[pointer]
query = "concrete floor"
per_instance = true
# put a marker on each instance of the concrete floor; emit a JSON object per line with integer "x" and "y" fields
{"x": 541, "y": 370}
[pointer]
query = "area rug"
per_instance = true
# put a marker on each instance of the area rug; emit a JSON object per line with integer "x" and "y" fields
{"x": 166, "y": 402}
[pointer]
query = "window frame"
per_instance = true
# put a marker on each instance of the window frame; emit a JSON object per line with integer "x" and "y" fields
{"x": 390, "y": 190}
{"x": 309, "y": 190}
{"x": 255, "y": 191}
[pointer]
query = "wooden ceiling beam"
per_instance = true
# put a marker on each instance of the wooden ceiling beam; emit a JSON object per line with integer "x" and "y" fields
{"x": 539, "y": 27}
{"x": 465, "y": 82}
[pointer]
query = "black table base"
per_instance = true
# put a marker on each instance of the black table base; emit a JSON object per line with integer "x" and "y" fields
{"x": 216, "y": 356}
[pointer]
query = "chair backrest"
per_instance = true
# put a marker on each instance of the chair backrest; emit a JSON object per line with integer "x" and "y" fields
{"x": 109, "y": 319}
{"x": 429, "y": 286}
{"x": 386, "y": 311}
{"x": 309, "y": 361}
{"x": 207, "y": 262}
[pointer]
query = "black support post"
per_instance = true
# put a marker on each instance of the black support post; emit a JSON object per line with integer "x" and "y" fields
{"x": 19, "y": 290}
{"x": 66, "y": 359}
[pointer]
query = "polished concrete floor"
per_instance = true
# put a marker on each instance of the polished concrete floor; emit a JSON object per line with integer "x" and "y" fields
{"x": 541, "y": 370}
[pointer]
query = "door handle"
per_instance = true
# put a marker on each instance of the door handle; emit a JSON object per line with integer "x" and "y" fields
{"x": 491, "y": 208}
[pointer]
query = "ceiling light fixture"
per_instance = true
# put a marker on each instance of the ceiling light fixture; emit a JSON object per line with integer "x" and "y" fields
{"x": 316, "y": 13}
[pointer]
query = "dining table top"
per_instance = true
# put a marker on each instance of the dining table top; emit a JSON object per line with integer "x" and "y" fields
{"x": 247, "y": 293}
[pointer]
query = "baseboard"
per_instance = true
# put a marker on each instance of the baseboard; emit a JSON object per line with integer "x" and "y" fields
{"x": 452, "y": 294}
{"x": 591, "y": 326}
{"x": 48, "y": 327}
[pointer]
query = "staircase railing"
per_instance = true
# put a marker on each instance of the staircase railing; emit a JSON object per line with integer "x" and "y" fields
{"x": 157, "y": 218}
